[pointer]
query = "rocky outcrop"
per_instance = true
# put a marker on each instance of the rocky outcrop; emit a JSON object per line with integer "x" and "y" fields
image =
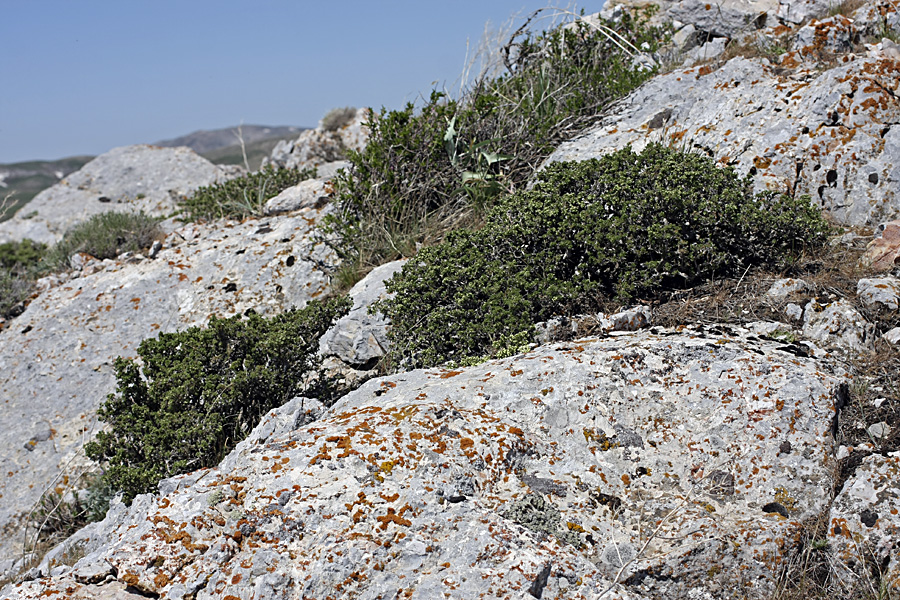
{"x": 359, "y": 338}
{"x": 326, "y": 143}
{"x": 127, "y": 179}
{"x": 659, "y": 464}
{"x": 832, "y": 135}
{"x": 56, "y": 358}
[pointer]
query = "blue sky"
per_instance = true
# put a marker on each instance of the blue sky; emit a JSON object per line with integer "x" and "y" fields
{"x": 84, "y": 76}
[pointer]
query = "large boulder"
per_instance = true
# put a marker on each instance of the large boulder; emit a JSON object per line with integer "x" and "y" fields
{"x": 827, "y": 134}
{"x": 659, "y": 464}
{"x": 56, "y": 358}
{"x": 127, "y": 179}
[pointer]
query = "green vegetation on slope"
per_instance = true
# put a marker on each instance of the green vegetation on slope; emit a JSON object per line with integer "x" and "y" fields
{"x": 243, "y": 196}
{"x": 197, "y": 393}
{"x": 425, "y": 172}
{"x": 628, "y": 226}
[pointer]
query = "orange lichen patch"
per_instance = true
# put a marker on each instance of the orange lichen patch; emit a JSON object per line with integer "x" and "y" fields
{"x": 394, "y": 516}
{"x": 516, "y": 431}
{"x": 236, "y": 579}
{"x": 466, "y": 443}
{"x": 388, "y": 384}
{"x": 392, "y": 498}
{"x": 130, "y": 579}
{"x": 161, "y": 580}
{"x": 705, "y": 70}
{"x": 449, "y": 374}
{"x": 762, "y": 162}
{"x": 626, "y": 479}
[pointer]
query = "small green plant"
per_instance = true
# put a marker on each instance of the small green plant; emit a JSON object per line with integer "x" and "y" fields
{"x": 21, "y": 257}
{"x": 19, "y": 265}
{"x": 105, "y": 235}
{"x": 244, "y": 196}
{"x": 626, "y": 226}
{"x": 197, "y": 393}
{"x": 337, "y": 118}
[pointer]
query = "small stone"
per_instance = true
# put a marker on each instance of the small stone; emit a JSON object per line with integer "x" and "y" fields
{"x": 892, "y": 336}
{"x": 878, "y": 431}
{"x": 783, "y": 288}
{"x": 793, "y": 311}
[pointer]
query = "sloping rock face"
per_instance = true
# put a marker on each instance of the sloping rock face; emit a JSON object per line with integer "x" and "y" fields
{"x": 324, "y": 144}
{"x": 832, "y": 135}
{"x": 56, "y": 358}
{"x": 360, "y": 338}
{"x": 127, "y": 179}
{"x": 660, "y": 464}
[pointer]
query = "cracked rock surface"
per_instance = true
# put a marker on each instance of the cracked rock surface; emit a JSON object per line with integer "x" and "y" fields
{"x": 56, "y": 358}
{"x": 683, "y": 455}
{"x": 833, "y": 135}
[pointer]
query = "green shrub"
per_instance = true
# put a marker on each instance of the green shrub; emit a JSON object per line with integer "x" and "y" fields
{"x": 19, "y": 264}
{"x": 14, "y": 293}
{"x": 197, "y": 393}
{"x": 105, "y": 235}
{"x": 243, "y": 196}
{"x": 337, "y": 118}
{"x": 21, "y": 257}
{"x": 426, "y": 172}
{"x": 629, "y": 226}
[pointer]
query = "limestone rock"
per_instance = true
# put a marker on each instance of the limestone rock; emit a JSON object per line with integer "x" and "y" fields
{"x": 359, "y": 338}
{"x": 833, "y": 35}
{"x": 883, "y": 292}
{"x": 725, "y": 18}
{"x": 56, "y": 358}
{"x": 783, "y": 288}
{"x": 404, "y": 483}
{"x": 837, "y": 324}
{"x": 319, "y": 146}
{"x": 827, "y": 134}
{"x": 306, "y": 194}
{"x": 567, "y": 328}
{"x": 883, "y": 252}
{"x": 127, "y": 179}
{"x": 864, "y": 523}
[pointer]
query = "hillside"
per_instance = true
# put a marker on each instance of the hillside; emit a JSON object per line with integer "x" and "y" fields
{"x": 623, "y": 322}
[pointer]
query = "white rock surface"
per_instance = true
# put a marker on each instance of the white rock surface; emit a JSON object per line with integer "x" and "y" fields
{"x": 127, "y": 179}
{"x": 321, "y": 146}
{"x": 827, "y": 134}
{"x": 838, "y": 325}
{"x": 359, "y": 338}
{"x": 881, "y": 292}
{"x": 423, "y": 481}
{"x": 56, "y": 358}
{"x": 865, "y": 525}
{"x": 782, "y": 288}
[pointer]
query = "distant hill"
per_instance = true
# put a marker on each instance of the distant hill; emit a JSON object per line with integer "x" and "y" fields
{"x": 20, "y": 182}
{"x": 204, "y": 140}
{"x": 231, "y": 155}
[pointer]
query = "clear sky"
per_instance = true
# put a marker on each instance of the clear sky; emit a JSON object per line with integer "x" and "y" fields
{"x": 85, "y": 76}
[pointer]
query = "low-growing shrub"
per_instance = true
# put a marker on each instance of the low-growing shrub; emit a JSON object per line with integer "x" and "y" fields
{"x": 425, "y": 172}
{"x": 14, "y": 293}
{"x": 105, "y": 235}
{"x": 243, "y": 196}
{"x": 627, "y": 226}
{"x": 21, "y": 257}
{"x": 197, "y": 393}
{"x": 19, "y": 265}
{"x": 337, "y": 118}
